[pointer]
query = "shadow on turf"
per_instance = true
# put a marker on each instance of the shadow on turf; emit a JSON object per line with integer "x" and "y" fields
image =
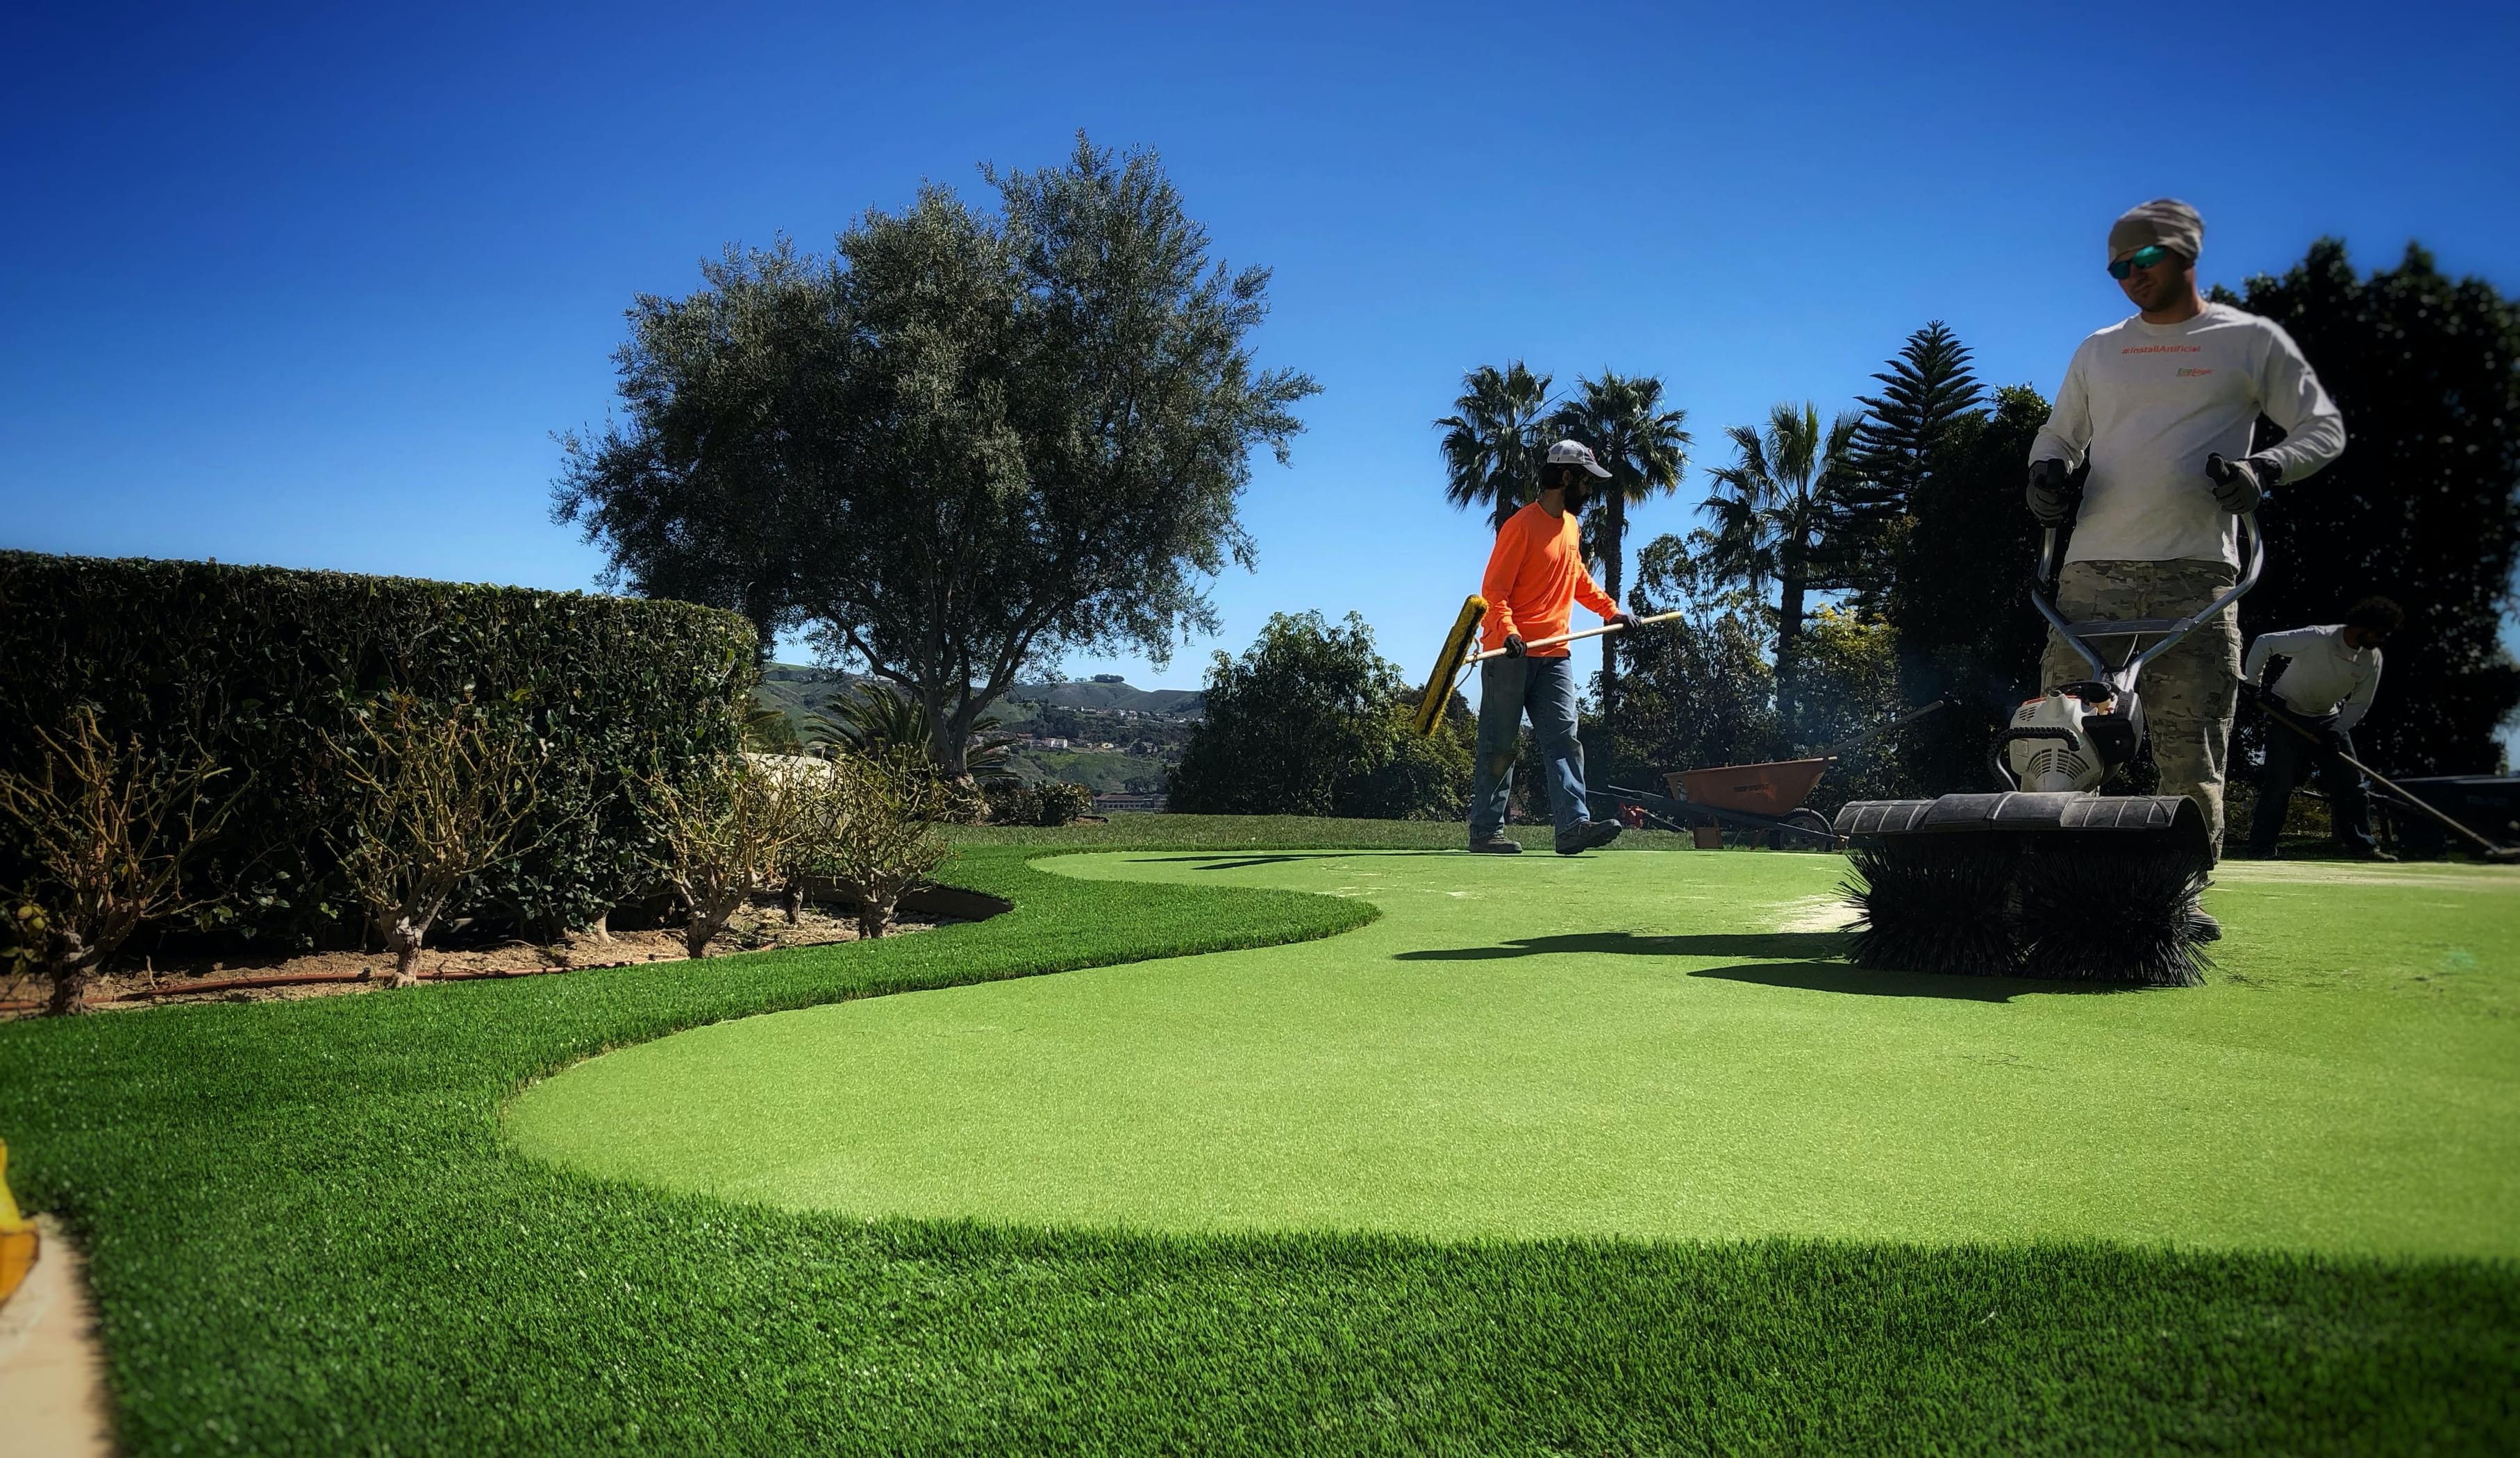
{"x": 1241, "y": 860}
{"x": 1779, "y": 959}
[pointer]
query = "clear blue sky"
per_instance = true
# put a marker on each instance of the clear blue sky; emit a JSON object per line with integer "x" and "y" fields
{"x": 313, "y": 285}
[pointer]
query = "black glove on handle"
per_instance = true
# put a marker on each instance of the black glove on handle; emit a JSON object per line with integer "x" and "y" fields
{"x": 2051, "y": 493}
{"x": 1513, "y": 645}
{"x": 2241, "y": 485}
{"x": 1624, "y": 620}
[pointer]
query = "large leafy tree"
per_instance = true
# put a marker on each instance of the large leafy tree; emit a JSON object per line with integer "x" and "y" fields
{"x": 972, "y": 443}
{"x": 1774, "y": 511}
{"x": 2424, "y": 505}
{"x": 1644, "y": 444}
{"x": 1924, "y": 389}
{"x": 1492, "y": 446}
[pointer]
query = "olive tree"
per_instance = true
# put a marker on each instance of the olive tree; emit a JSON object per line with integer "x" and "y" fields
{"x": 972, "y": 441}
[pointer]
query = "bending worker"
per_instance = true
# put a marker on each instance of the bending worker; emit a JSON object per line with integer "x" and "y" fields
{"x": 2163, "y": 406}
{"x": 1534, "y": 578}
{"x": 2327, "y": 687}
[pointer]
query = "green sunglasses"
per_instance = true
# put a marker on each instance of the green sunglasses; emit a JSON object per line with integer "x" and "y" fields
{"x": 2143, "y": 257}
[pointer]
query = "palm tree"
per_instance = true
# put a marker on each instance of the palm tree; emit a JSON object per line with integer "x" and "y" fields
{"x": 1492, "y": 446}
{"x": 1645, "y": 447}
{"x": 1775, "y": 509}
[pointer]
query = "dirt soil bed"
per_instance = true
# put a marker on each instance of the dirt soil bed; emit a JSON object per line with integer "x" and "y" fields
{"x": 148, "y": 982}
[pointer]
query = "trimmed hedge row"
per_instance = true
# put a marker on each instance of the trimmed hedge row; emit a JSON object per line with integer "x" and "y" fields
{"x": 259, "y": 665}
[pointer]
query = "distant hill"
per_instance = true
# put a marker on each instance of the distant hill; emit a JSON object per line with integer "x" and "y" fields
{"x": 800, "y": 689}
{"x": 1172, "y": 703}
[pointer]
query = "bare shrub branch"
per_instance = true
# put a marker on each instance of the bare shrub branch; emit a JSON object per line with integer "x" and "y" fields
{"x": 724, "y": 830}
{"x": 444, "y": 791}
{"x": 109, "y": 828}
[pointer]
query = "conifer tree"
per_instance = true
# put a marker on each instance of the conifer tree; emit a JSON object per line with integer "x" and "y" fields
{"x": 1926, "y": 386}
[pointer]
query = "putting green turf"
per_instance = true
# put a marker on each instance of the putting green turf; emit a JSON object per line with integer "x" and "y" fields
{"x": 1638, "y": 1045}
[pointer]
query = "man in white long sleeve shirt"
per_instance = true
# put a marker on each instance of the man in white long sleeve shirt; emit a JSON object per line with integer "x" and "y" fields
{"x": 2327, "y": 687}
{"x": 2163, "y": 407}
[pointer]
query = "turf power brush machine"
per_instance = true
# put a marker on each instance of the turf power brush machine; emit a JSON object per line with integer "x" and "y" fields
{"x": 2045, "y": 876}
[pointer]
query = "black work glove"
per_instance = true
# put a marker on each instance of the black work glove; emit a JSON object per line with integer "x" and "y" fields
{"x": 1514, "y": 646}
{"x": 2051, "y": 493}
{"x": 2241, "y": 485}
{"x": 1624, "y": 620}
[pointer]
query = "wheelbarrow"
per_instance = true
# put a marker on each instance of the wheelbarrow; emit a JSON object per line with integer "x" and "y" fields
{"x": 1765, "y": 798}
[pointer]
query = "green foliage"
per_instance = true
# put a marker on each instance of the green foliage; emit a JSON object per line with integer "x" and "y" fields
{"x": 1311, "y": 721}
{"x": 1924, "y": 389}
{"x": 1850, "y": 684}
{"x": 2424, "y": 506}
{"x": 876, "y": 721}
{"x": 1959, "y": 601}
{"x": 260, "y": 666}
{"x": 1699, "y": 690}
{"x": 1492, "y": 446}
{"x": 1048, "y": 803}
{"x": 968, "y": 444}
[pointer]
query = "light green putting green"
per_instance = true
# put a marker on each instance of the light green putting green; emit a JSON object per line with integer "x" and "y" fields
{"x": 1637, "y": 1045}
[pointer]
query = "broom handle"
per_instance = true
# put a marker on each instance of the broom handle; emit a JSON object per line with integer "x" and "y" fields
{"x": 2394, "y": 789}
{"x": 1567, "y": 637}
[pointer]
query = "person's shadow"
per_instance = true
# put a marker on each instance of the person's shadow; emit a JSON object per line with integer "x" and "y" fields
{"x": 1777, "y": 959}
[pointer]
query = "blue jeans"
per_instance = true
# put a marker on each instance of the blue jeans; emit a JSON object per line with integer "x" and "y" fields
{"x": 1545, "y": 688}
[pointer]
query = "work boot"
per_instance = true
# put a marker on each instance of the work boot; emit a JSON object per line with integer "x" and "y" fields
{"x": 2202, "y": 927}
{"x": 1587, "y": 836}
{"x": 2368, "y": 852}
{"x": 1496, "y": 845}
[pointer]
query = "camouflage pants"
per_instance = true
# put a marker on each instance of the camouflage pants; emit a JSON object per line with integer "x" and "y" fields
{"x": 2188, "y": 693}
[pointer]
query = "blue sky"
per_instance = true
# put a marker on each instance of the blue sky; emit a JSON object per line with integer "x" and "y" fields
{"x": 313, "y": 285}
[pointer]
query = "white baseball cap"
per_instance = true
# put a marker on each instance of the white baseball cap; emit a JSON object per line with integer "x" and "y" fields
{"x": 1576, "y": 452}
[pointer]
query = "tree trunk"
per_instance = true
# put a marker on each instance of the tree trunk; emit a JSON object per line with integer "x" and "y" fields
{"x": 946, "y": 733}
{"x": 602, "y": 926}
{"x": 1790, "y": 637}
{"x": 1614, "y": 531}
{"x": 406, "y": 950}
{"x": 71, "y": 970}
{"x": 875, "y": 910}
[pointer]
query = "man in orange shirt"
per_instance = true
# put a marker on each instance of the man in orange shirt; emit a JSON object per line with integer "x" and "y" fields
{"x": 1534, "y": 578}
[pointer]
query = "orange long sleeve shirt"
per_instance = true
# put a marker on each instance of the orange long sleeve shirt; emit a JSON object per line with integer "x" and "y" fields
{"x": 1535, "y": 577}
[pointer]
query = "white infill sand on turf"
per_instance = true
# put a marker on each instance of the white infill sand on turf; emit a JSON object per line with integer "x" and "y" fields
{"x": 52, "y": 1370}
{"x": 1816, "y": 913}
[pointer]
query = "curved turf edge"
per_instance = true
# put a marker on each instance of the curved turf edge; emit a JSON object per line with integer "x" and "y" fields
{"x": 307, "y": 1236}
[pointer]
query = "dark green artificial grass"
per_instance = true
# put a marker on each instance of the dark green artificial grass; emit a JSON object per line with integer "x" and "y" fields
{"x": 307, "y": 1236}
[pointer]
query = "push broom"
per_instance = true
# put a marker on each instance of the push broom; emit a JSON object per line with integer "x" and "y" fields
{"x": 1454, "y": 665}
{"x": 2485, "y": 849}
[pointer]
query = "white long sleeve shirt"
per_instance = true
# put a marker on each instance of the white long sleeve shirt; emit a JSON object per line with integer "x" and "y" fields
{"x": 2148, "y": 402}
{"x": 2325, "y": 676}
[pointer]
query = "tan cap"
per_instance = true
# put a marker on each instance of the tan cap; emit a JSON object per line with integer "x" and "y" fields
{"x": 2166, "y": 221}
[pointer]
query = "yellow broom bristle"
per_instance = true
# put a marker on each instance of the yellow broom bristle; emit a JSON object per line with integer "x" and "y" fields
{"x": 1456, "y": 648}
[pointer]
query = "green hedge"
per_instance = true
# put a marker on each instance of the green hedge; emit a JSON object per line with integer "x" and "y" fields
{"x": 258, "y": 664}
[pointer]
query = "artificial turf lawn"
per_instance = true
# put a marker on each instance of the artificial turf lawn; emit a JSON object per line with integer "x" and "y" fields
{"x": 309, "y": 1235}
{"x": 1634, "y": 1047}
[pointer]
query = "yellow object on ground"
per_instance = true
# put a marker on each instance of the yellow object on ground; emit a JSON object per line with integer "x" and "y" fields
{"x": 18, "y": 1237}
{"x": 1456, "y": 648}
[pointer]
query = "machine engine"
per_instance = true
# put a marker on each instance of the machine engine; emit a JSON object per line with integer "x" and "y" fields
{"x": 2070, "y": 738}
